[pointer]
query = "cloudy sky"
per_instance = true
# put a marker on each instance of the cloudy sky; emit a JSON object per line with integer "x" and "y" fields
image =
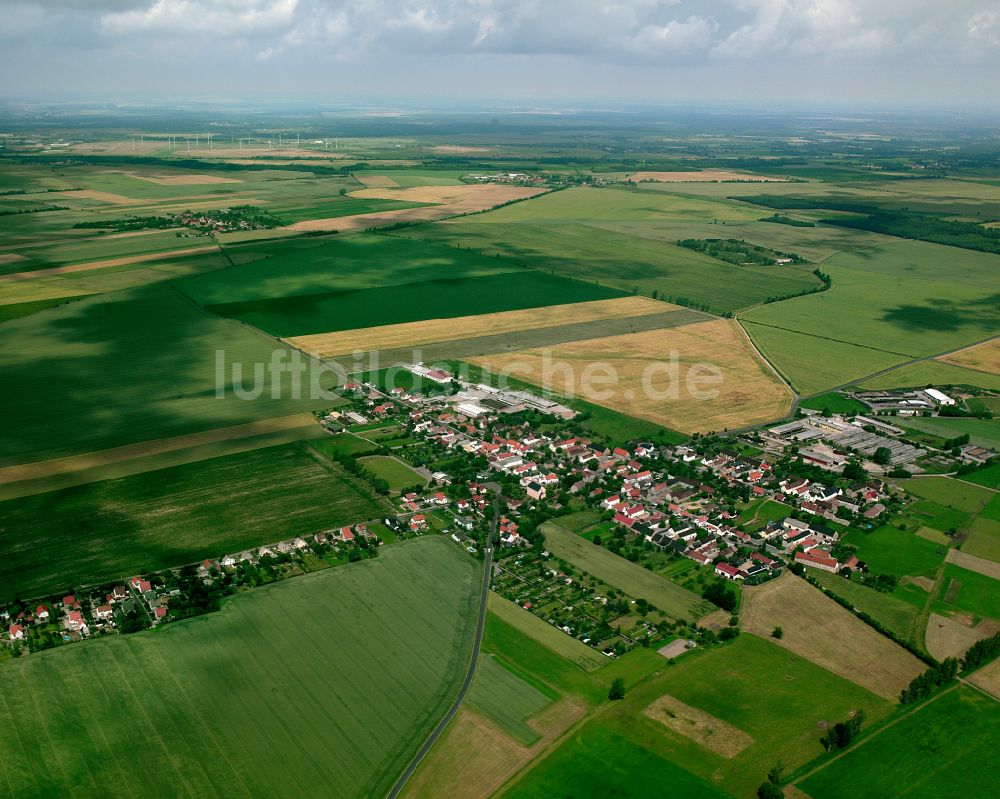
{"x": 902, "y": 52}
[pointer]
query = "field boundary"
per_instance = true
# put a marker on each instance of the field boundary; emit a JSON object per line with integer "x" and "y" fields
{"x": 38, "y": 476}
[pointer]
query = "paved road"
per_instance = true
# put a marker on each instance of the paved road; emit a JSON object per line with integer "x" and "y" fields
{"x": 473, "y": 662}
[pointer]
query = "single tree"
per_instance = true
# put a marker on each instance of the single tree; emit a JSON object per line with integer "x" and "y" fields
{"x": 777, "y": 632}
{"x": 617, "y": 690}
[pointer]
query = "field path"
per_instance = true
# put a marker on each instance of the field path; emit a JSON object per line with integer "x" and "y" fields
{"x": 867, "y": 738}
{"x": 473, "y": 661}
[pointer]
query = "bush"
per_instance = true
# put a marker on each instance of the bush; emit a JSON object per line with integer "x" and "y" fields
{"x": 769, "y": 790}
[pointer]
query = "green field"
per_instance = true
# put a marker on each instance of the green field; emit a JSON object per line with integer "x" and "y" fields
{"x": 397, "y": 474}
{"x": 637, "y": 582}
{"x": 290, "y": 212}
{"x": 408, "y": 178}
{"x": 834, "y": 402}
{"x": 173, "y": 516}
{"x": 596, "y": 761}
{"x": 328, "y": 264}
{"x": 889, "y": 550}
{"x": 780, "y": 700}
{"x": 319, "y": 685}
{"x": 18, "y": 309}
{"x": 969, "y": 592}
{"x": 127, "y": 367}
{"x": 988, "y": 476}
{"x": 759, "y": 512}
{"x": 812, "y": 363}
{"x": 613, "y": 237}
{"x": 904, "y": 299}
{"x": 936, "y": 373}
{"x": 103, "y": 247}
{"x": 565, "y": 646}
{"x": 412, "y": 302}
{"x": 983, "y": 537}
{"x": 981, "y": 432}
{"x": 948, "y": 492}
{"x": 502, "y": 696}
{"x": 941, "y": 750}
{"x": 345, "y": 444}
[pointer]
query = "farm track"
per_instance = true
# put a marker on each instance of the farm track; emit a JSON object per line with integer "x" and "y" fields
{"x": 470, "y": 673}
{"x": 876, "y": 733}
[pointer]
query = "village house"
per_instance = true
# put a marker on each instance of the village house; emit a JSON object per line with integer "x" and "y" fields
{"x": 728, "y": 572}
{"x": 818, "y": 559}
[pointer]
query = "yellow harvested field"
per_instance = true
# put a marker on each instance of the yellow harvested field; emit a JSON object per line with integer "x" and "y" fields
{"x": 89, "y": 460}
{"x": 984, "y": 357}
{"x": 378, "y": 181}
{"x": 818, "y": 629}
{"x": 703, "y": 728}
{"x": 474, "y": 757}
{"x": 704, "y": 176}
{"x": 694, "y": 378}
{"x": 949, "y": 638}
{"x": 974, "y": 563}
{"x": 988, "y": 678}
{"x": 432, "y": 331}
{"x": 131, "y": 259}
{"x": 182, "y": 180}
{"x": 448, "y": 201}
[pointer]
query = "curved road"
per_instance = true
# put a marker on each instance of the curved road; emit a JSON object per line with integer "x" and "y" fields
{"x": 439, "y": 728}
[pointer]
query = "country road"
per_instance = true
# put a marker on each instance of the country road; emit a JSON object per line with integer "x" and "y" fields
{"x": 470, "y": 674}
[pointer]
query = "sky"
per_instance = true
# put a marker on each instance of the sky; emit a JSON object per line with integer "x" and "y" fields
{"x": 892, "y": 52}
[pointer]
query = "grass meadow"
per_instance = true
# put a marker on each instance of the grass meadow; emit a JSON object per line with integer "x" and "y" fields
{"x": 981, "y": 432}
{"x": 888, "y": 610}
{"x": 596, "y": 761}
{"x": 889, "y": 550}
{"x": 940, "y": 750}
{"x": 172, "y": 516}
{"x": 983, "y": 538}
{"x": 395, "y": 472}
{"x": 968, "y": 592}
{"x": 320, "y": 685}
{"x": 637, "y": 582}
{"x": 778, "y": 703}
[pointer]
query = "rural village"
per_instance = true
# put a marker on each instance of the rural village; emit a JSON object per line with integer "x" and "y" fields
{"x": 724, "y": 510}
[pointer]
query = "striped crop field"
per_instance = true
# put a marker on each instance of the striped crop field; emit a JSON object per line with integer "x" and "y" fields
{"x": 323, "y": 685}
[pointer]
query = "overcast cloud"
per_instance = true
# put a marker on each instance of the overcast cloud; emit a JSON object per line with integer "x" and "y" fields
{"x": 880, "y": 50}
